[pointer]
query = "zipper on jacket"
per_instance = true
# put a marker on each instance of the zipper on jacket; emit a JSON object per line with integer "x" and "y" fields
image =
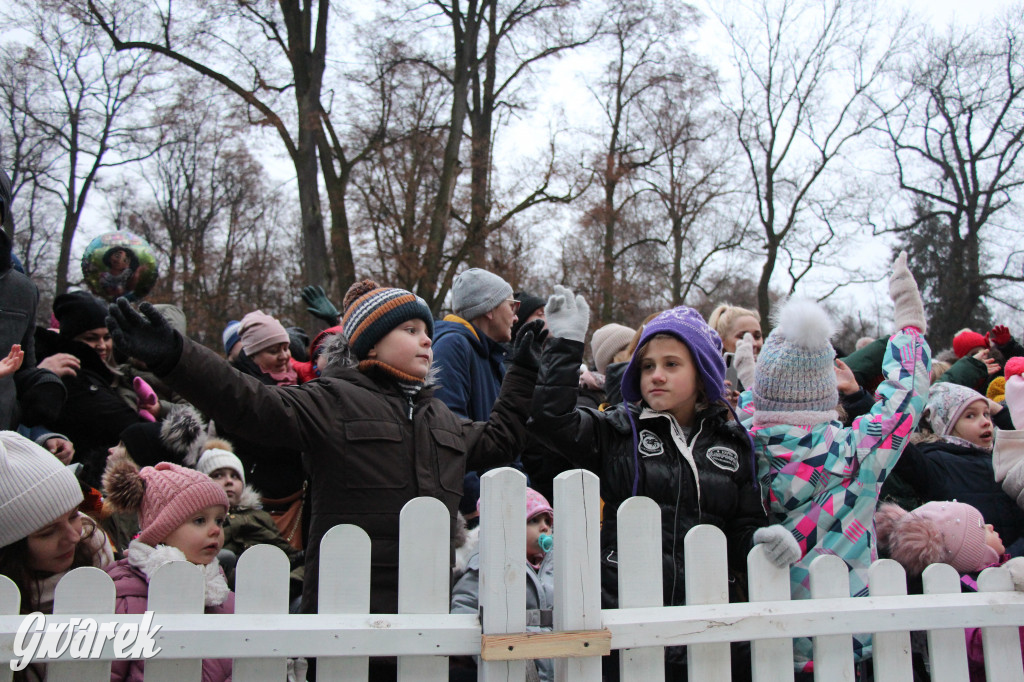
{"x": 408, "y": 400}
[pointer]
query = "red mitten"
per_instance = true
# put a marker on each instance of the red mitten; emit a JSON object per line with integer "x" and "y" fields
{"x": 147, "y": 399}
{"x": 1000, "y": 335}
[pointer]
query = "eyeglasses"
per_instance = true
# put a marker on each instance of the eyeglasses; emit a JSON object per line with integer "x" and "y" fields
{"x": 514, "y": 304}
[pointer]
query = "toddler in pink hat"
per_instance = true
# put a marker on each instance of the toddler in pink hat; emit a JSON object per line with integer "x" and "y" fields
{"x": 181, "y": 514}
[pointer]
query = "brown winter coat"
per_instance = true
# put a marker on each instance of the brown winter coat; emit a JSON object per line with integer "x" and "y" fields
{"x": 368, "y": 448}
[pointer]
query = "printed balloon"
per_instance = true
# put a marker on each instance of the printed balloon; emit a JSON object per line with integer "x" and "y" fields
{"x": 119, "y": 264}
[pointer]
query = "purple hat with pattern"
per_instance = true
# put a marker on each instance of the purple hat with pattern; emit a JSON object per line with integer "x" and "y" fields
{"x": 704, "y": 343}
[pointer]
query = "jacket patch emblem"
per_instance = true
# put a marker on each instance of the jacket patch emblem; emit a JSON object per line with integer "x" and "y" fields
{"x": 650, "y": 444}
{"x": 723, "y": 458}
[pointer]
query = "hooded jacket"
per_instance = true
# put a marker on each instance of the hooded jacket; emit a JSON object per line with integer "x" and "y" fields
{"x": 470, "y": 366}
{"x": 369, "y": 448}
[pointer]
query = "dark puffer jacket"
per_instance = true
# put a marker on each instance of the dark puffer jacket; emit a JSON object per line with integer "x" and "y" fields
{"x": 716, "y": 488}
{"x": 368, "y": 447}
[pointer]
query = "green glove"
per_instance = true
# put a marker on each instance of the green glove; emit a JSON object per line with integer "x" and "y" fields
{"x": 319, "y": 305}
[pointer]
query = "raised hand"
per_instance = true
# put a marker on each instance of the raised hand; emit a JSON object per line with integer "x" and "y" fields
{"x": 319, "y": 305}
{"x": 147, "y": 337}
{"x": 12, "y": 363}
{"x": 908, "y": 310}
{"x": 568, "y": 315}
{"x": 528, "y": 344}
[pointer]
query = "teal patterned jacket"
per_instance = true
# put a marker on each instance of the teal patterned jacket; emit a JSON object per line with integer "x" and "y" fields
{"x": 822, "y": 482}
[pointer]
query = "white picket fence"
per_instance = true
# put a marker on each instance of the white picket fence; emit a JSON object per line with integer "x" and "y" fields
{"x": 261, "y": 634}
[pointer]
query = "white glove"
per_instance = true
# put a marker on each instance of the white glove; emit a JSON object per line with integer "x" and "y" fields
{"x": 568, "y": 316}
{"x": 743, "y": 360}
{"x": 1016, "y": 568}
{"x": 908, "y": 311}
{"x": 782, "y": 547}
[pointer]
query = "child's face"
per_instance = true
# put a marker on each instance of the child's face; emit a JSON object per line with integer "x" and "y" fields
{"x": 993, "y": 540}
{"x": 975, "y": 424}
{"x": 273, "y": 359}
{"x": 407, "y": 348}
{"x": 200, "y": 538}
{"x": 535, "y": 527}
{"x": 51, "y": 549}
{"x": 230, "y": 481}
{"x": 668, "y": 378}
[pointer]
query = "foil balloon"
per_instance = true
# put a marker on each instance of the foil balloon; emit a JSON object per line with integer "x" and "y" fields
{"x": 119, "y": 264}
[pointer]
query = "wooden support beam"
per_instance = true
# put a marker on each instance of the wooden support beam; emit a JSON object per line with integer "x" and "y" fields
{"x": 530, "y": 645}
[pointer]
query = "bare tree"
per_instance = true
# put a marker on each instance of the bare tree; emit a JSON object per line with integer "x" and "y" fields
{"x": 956, "y": 134}
{"x": 804, "y": 73}
{"x": 85, "y": 113}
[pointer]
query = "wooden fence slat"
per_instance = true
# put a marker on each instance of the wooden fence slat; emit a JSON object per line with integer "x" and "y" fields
{"x": 1002, "y": 644}
{"x": 771, "y": 659}
{"x": 424, "y": 576}
{"x": 261, "y": 587}
{"x": 176, "y": 587}
{"x": 83, "y": 590}
{"x": 890, "y": 651}
{"x": 947, "y": 649}
{"x": 10, "y": 604}
{"x": 707, "y": 582}
{"x": 577, "y": 567}
{"x": 833, "y": 654}
{"x": 502, "y": 564}
{"x": 344, "y": 587}
{"x": 640, "y": 581}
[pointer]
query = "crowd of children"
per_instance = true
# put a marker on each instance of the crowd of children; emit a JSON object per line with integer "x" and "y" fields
{"x": 777, "y": 443}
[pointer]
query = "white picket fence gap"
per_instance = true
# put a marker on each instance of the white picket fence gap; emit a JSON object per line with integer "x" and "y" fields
{"x": 261, "y": 634}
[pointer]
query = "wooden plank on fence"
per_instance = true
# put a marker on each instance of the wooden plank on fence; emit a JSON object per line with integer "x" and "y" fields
{"x": 424, "y": 577}
{"x": 527, "y": 645}
{"x": 176, "y": 587}
{"x": 83, "y": 590}
{"x": 890, "y": 651}
{"x": 577, "y": 567}
{"x": 10, "y": 604}
{"x": 502, "y": 566}
{"x": 1002, "y": 645}
{"x": 947, "y": 650}
{"x": 833, "y": 654}
{"x": 772, "y": 659}
{"x": 707, "y": 582}
{"x": 344, "y": 587}
{"x": 261, "y": 587}
{"x": 640, "y": 584}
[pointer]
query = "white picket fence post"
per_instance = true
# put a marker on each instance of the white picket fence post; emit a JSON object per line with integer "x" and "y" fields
{"x": 502, "y": 564}
{"x": 10, "y": 605}
{"x": 344, "y": 587}
{"x": 261, "y": 590}
{"x": 577, "y": 567}
{"x": 771, "y": 659}
{"x": 707, "y": 582}
{"x": 833, "y": 654}
{"x": 176, "y": 587}
{"x": 424, "y": 576}
{"x": 947, "y": 649}
{"x": 1007, "y": 667}
{"x": 84, "y": 590}
{"x": 890, "y": 651}
{"x": 640, "y": 581}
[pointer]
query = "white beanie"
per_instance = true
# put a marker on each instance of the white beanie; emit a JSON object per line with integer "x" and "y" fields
{"x": 477, "y": 291}
{"x": 215, "y": 458}
{"x": 35, "y": 488}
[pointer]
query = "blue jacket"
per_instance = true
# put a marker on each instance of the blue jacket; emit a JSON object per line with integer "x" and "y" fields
{"x": 470, "y": 368}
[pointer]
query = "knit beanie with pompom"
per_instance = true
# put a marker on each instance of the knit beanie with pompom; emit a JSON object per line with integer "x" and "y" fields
{"x": 165, "y": 496}
{"x": 372, "y": 311}
{"x": 936, "y": 532}
{"x": 794, "y": 378}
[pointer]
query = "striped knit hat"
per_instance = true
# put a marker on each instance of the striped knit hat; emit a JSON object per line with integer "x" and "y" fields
{"x": 795, "y": 378}
{"x": 35, "y": 488}
{"x": 371, "y": 311}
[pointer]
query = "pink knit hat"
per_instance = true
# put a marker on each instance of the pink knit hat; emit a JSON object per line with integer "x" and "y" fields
{"x": 165, "y": 496}
{"x": 260, "y": 331}
{"x": 936, "y": 532}
{"x": 536, "y": 504}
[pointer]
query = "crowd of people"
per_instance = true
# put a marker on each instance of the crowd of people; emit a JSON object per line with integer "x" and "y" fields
{"x": 129, "y": 445}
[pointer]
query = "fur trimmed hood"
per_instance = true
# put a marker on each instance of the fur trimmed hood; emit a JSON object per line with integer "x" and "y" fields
{"x": 148, "y": 559}
{"x": 249, "y": 499}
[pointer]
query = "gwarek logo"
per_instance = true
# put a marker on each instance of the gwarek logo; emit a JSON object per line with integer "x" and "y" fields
{"x": 82, "y": 638}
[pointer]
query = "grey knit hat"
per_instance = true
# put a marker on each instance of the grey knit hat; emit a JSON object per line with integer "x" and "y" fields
{"x": 607, "y": 341}
{"x": 215, "y": 458}
{"x": 477, "y": 291}
{"x": 795, "y": 378}
{"x": 35, "y": 488}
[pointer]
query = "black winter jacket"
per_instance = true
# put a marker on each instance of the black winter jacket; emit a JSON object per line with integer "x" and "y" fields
{"x": 718, "y": 489}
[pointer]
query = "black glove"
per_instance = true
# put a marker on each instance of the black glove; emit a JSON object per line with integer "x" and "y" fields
{"x": 150, "y": 338}
{"x": 527, "y": 345}
{"x": 319, "y": 305}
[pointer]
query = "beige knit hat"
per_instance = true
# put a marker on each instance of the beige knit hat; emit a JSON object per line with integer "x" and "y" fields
{"x": 35, "y": 488}
{"x": 260, "y": 331}
{"x": 607, "y": 341}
